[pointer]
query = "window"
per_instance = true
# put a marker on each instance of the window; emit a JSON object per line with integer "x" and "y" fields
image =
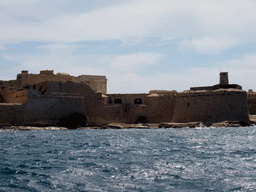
{"x": 138, "y": 101}
{"x": 118, "y": 101}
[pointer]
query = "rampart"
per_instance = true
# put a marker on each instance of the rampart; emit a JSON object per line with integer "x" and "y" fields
{"x": 41, "y": 109}
{"x": 45, "y": 109}
{"x": 139, "y": 108}
{"x": 211, "y": 106}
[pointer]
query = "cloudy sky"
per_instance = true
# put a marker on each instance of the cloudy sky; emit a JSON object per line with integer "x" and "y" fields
{"x": 139, "y": 45}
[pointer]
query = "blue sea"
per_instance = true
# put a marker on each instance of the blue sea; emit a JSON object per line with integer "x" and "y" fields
{"x": 203, "y": 159}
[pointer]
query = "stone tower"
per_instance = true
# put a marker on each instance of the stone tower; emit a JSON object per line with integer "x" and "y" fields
{"x": 223, "y": 78}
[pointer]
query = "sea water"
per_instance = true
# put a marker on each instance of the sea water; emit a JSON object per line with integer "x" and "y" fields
{"x": 205, "y": 159}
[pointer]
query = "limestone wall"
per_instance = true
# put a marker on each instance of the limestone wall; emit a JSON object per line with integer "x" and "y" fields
{"x": 251, "y": 102}
{"x": 97, "y": 83}
{"x": 211, "y": 106}
{"x": 45, "y": 109}
{"x": 11, "y": 114}
{"x": 161, "y": 108}
{"x": 127, "y": 98}
{"x": 93, "y": 102}
{"x": 153, "y": 108}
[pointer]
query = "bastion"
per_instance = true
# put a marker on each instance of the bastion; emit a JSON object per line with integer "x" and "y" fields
{"x": 64, "y": 100}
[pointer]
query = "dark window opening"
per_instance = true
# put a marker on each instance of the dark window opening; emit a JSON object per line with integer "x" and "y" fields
{"x": 138, "y": 101}
{"x": 118, "y": 101}
{"x": 188, "y": 104}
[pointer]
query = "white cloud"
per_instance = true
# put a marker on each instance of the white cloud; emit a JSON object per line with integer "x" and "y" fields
{"x": 18, "y": 2}
{"x": 58, "y": 46}
{"x": 246, "y": 62}
{"x": 206, "y": 22}
{"x": 210, "y": 45}
{"x": 135, "y": 62}
{"x": 241, "y": 71}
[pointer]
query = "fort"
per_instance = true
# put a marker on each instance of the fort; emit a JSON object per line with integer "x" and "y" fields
{"x": 63, "y": 100}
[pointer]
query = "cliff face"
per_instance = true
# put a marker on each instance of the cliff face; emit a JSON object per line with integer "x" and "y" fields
{"x": 211, "y": 106}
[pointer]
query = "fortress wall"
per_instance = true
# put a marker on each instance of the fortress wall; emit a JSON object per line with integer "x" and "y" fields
{"x": 44, "y": 109}
{"x": 251, "y": 102}
{"x": 128, "y": 98}
{"x": 93, "y": 102}
{"x": 11, "y": 114}
{"x": 153, "y": 110}
{"x": 110, "y": 114}
{"x": 160, "y": 109}
{"x": 10, "y": 95}
{"x": 215, "y": 106}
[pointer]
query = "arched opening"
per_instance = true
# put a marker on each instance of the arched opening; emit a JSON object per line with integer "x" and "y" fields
{"x": 73, "y": 121}
{"x": 118, "y": 101}
{"x": 138, "y": 101}
{"x": 141, "y": 119}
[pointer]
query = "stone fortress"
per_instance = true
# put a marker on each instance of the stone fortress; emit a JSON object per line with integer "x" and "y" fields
{"x": 61, "y": 99}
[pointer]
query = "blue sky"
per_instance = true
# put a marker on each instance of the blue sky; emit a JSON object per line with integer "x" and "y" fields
{"x": 140, "y": 45}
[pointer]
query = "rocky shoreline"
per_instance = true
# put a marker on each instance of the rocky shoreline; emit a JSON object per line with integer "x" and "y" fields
{"x": 138, "y": 126}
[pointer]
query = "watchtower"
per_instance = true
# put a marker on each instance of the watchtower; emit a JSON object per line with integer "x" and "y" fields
{"x": 224, "y": 78}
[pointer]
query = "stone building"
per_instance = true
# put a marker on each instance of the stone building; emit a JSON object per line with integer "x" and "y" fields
{"x": 46, "y": 98}
{"x": 220, "y": 102}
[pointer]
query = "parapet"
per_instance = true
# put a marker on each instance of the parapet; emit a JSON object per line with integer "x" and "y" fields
{"x": 92, "y": 77}
{"x": 47, "y": 72}
{"x": 24, "y": 72}
{"x": 162, "y": 92}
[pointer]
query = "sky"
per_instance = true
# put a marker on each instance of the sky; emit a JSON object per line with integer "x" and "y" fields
{"x": 139, "y": 45}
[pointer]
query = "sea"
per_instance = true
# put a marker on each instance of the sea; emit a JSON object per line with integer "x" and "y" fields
{"x": 184, "y": 159}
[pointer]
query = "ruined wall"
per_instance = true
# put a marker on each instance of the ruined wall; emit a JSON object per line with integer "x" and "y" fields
{"x": 11, "y": 95}
{"x": 11, "y": 114}
{"x": 97, "y": 83}
{"x": 211, "y": 106}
